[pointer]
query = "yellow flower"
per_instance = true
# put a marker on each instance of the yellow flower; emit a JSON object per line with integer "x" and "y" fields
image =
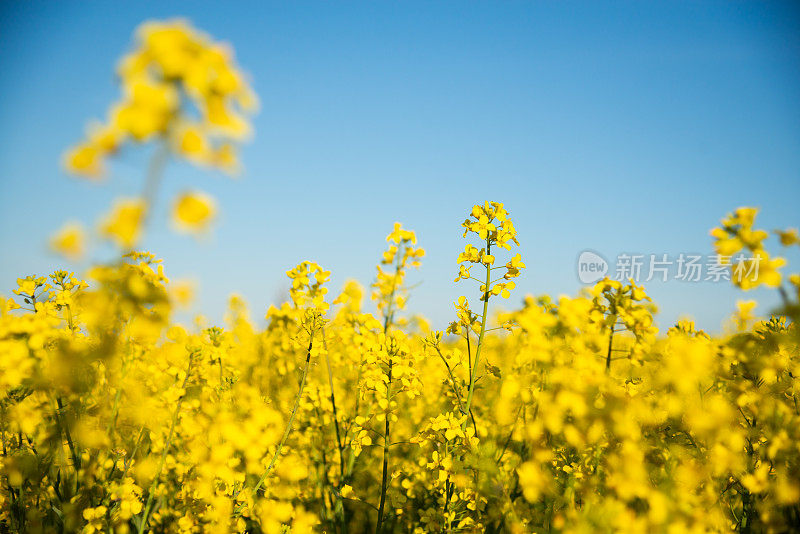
{"x": 85, "y": 159}
{"x": 513, "y": 267}
{"x": 482, "y": 227}
{"x": 124, "y": 224}
{"x": 224, "y": 157}
{"x": 192, "y": 143}
{"x": 70, "y": 241}
{"x": 174, "y": 68}
{"x": 193, "y": 211}
{"x": 493, "y": 226}
{"x": 749, "y": 273}
{"x": 305, "y": 292}
{"x": 29, "y": 285}
{"x": 789, "y": 237}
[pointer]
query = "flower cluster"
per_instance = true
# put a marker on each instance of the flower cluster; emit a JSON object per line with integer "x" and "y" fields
{"x": 174, "y": 72}
{"x": 737, "y": 233}
{"x": 582, "y": 418}
{"x": 579, "y": 417}
{"x": 182, "y": 92}
{"x": 492, "y": 225}
{"x": 388, "y": 290}
{"x": 618, "y": 306}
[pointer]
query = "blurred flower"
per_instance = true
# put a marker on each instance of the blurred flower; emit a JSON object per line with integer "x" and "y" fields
{"x": 174, "y": 75}
{"x": 69, "y": 241}
{"x": 193, "y": 211}
{"x": 124, "y": 224}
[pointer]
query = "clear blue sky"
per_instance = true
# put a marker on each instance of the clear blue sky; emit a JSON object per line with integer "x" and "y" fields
{"x": 612, "y": 126}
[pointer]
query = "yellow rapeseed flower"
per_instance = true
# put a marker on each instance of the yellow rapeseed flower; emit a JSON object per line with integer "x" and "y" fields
{"x": 193, "y": 211}
{"x": 69, "y": 241}
{"x": 123, "y": 224}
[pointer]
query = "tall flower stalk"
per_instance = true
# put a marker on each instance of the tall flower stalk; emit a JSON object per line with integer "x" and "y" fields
{"x": 390, "y": 294}
{"x": 491, "y": 224}
{"x": 308, "y": 298}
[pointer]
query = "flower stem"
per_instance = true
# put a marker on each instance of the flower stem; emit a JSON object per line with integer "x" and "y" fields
{"x": 288, "y": 429}
{"x": 386, "y": 442}
{"x": 143, "y": 523}
{"x": 340, "y": 511}
{"x": 610, "y": 345}
{"x": 473, "y": 371}
{"x": 155, "y": 171}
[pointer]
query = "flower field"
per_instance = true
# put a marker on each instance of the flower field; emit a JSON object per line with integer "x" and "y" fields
{"x": 348, "y": 413}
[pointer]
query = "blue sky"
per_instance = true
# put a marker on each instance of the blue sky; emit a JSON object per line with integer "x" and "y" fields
{"x": 615, "y": 126}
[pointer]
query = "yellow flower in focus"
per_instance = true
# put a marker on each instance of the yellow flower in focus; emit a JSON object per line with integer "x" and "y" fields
{"x": 193, "y": 211}
{"x": 69, "y": 241}
{"x": 124, "y": 224}
{"x": 7, "y": 305}
{"x": 494, "y": 227}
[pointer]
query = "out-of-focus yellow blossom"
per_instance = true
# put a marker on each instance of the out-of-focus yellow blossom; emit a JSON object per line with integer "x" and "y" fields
{"x": 789, "y": 237}
{"x": 173, "y": 73}
{"x": 389, "y": 290}
{"x": 183, "y": 93}
{"x": 753, "y": 266}
{"x": 123, "y": 224}
{"x": 744, "y": 316}
{"x": 182, "y": 293}
{"x": 578, "y": 417}
{"x": 193, "y": 211}
{"x": 69, "y": 241}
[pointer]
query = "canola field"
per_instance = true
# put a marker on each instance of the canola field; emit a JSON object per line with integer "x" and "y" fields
{"x": 349, "y": 414}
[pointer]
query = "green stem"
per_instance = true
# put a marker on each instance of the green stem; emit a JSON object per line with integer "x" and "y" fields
{"x": 155, "y": 171}
{"x": 610, "y": 345}
{"x": 455, "y": 389}
{"x": 76, "y": 458}
{"x": 143, "y": 523}
{"x": 127, "y": 464}
{"x": 339, "y": 442}
{"x": 784, "y": 296}
{"x": 386, "y": 442}
{"x": 473, "y": 371}
{"x": 385, "y": 470}
{"x": 291, "y": 418}
{"x": 112, "y": 424}
{"x": 340, "y": 512}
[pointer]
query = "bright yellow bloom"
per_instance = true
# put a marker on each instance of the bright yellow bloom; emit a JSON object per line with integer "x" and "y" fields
{"x": 789, "y": 237}
{"x": 123, "y": 224}
{"x": 85, "y": 159}
{"x": 193, "y": 211}
{"x": 513, "y": 267}
{"x": 173, "y": 68}
{"x": 737, "y": 234}
{"x": 494, "y": 227}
